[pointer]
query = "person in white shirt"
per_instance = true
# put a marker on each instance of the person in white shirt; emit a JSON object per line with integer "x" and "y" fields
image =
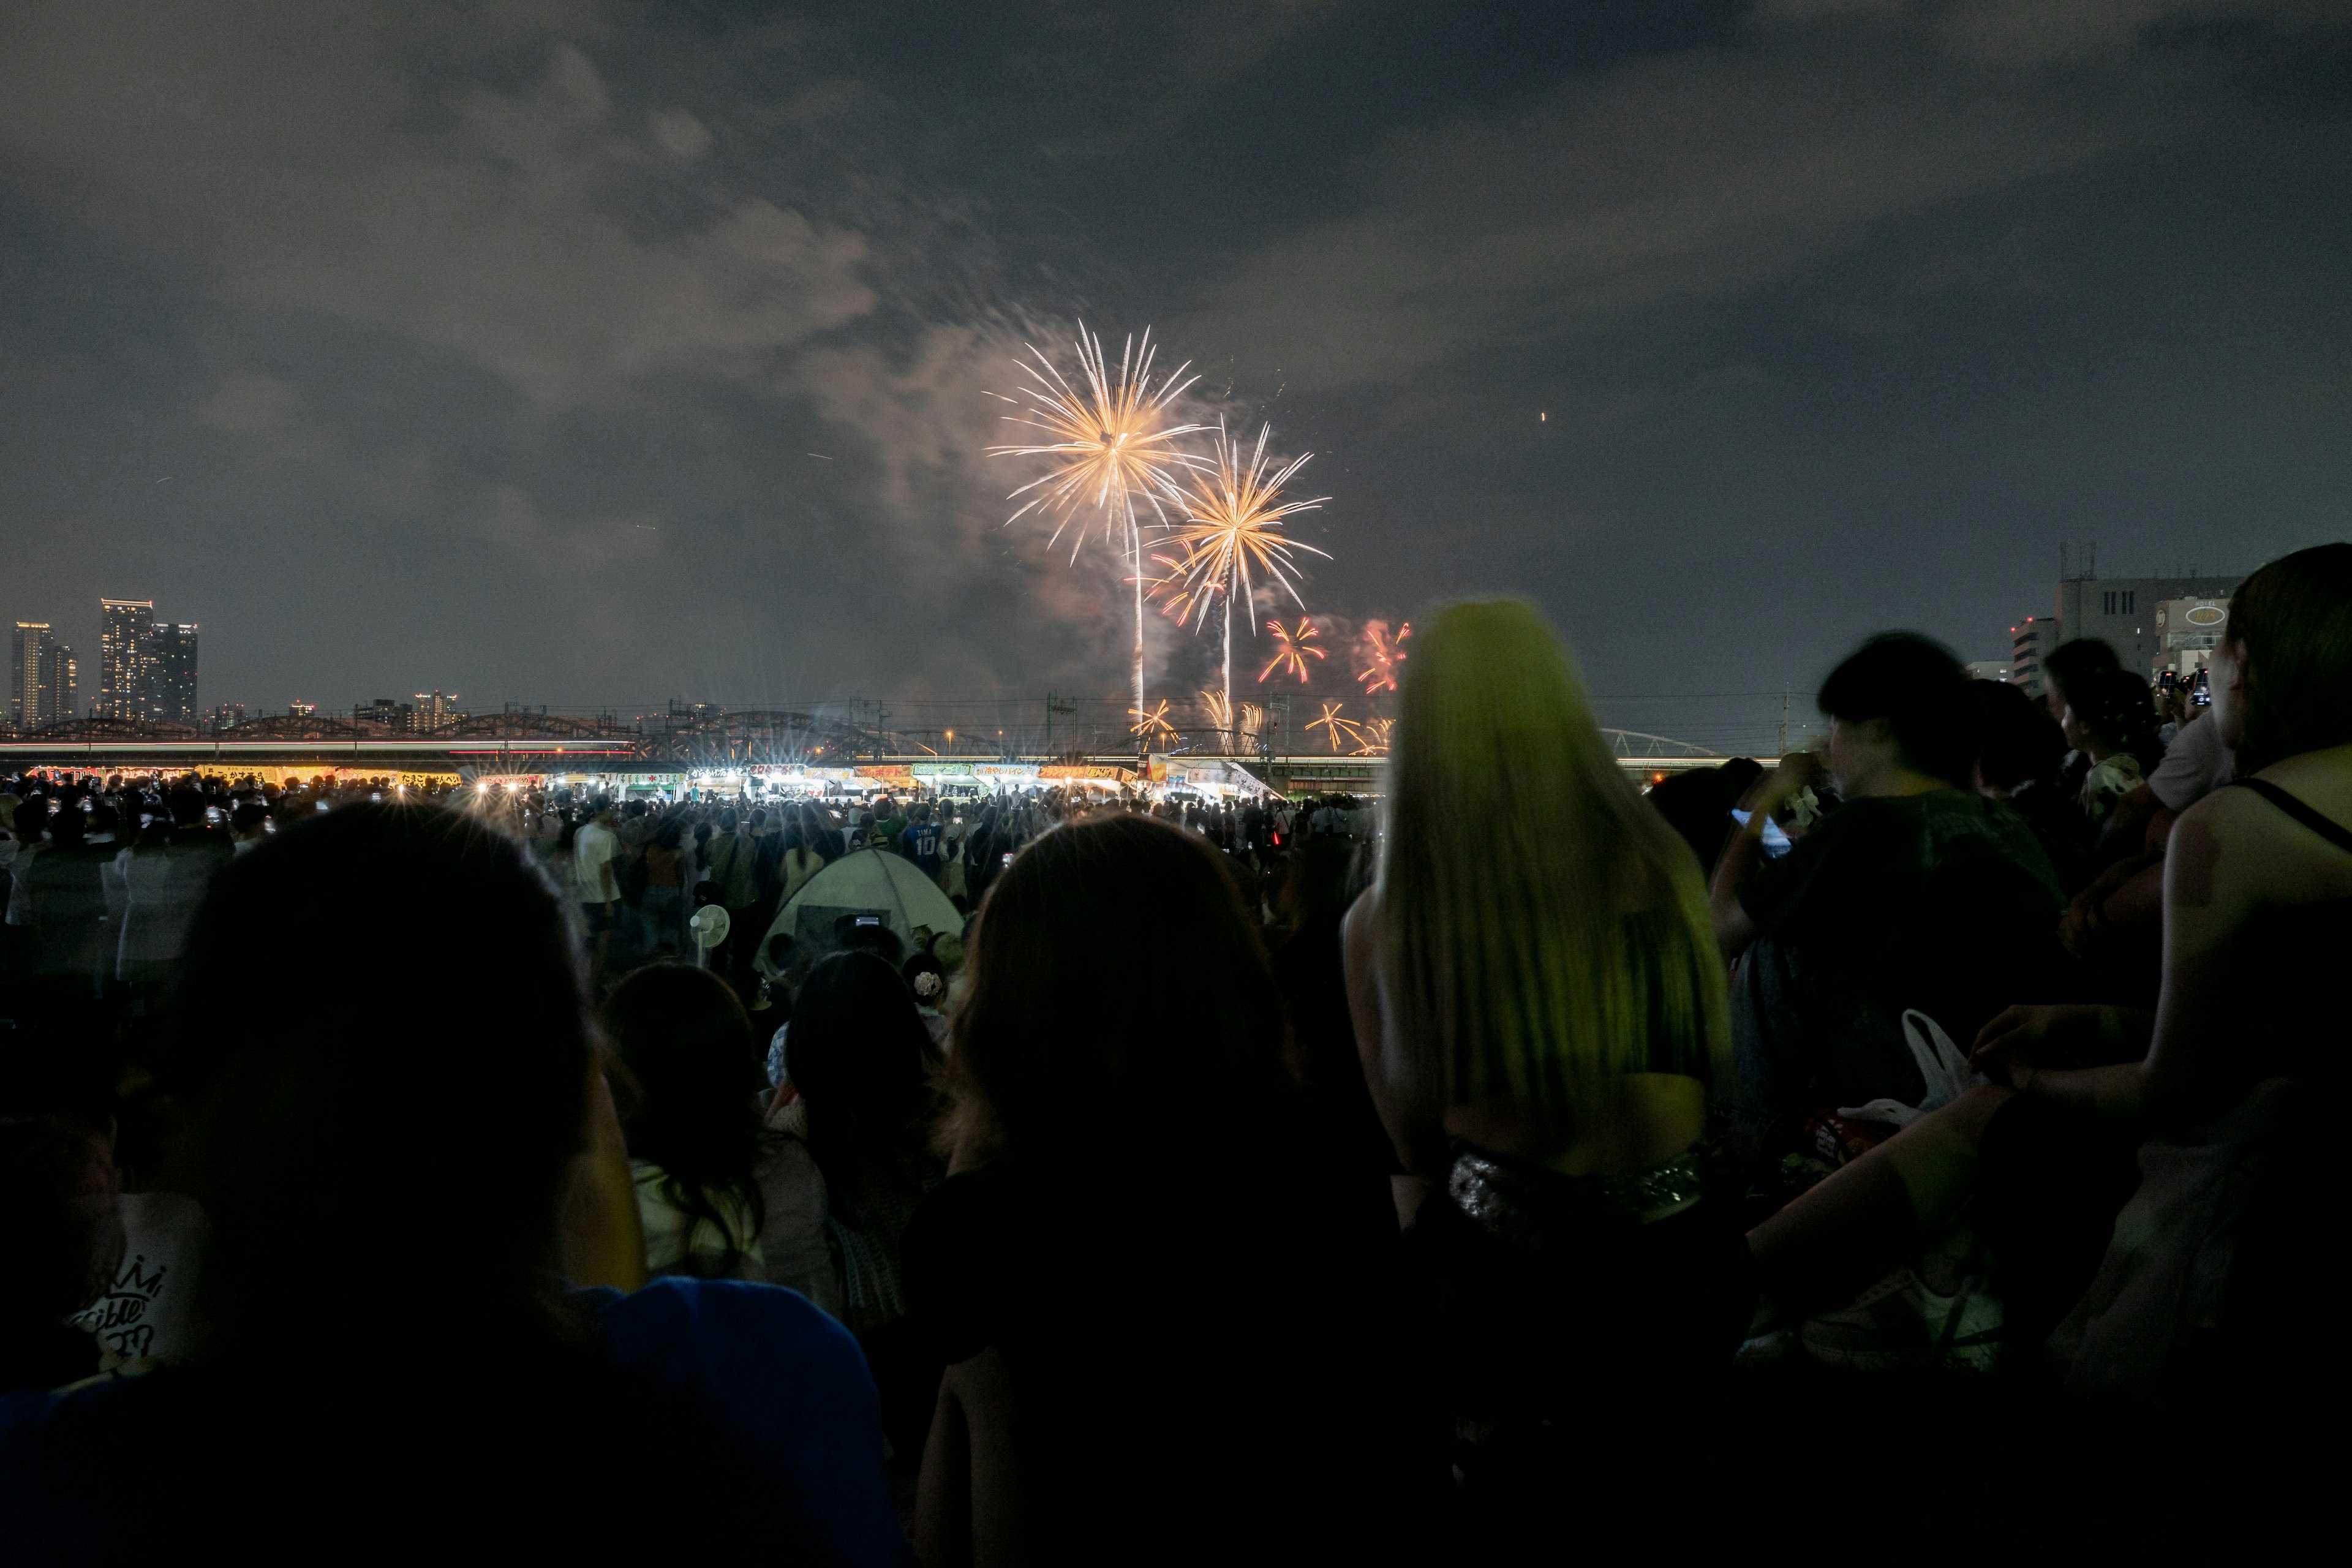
{"x": 600, "y": 890}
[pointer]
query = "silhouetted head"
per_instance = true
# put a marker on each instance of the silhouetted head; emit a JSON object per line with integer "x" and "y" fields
{"x": 379, "y": 1025}
{"x": 1117, "y": 986}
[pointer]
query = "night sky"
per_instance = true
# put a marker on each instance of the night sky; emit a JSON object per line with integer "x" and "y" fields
{"x": 595, "y": 354}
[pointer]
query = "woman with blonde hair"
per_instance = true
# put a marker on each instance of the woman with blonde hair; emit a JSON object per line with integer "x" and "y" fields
{"x": 1540, "y": 1008}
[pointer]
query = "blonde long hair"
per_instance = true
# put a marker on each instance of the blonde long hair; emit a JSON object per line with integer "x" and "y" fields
{"x": 1547, "y": 929}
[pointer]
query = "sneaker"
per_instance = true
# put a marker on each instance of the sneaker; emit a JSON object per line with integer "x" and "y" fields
{"x": 1770, "y": 1338}
{"x": 1899, "y": 1324}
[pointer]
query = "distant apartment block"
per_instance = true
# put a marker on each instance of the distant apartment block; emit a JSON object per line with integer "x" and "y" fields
{"x": 437, "y": 712}
{"x": 60, "y": 683}
{"x": 171, "y": 667}
{"x": 124, "y": 626}
{"x": 24, "y": 708}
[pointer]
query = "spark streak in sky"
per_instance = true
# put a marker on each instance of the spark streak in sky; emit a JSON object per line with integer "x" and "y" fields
{"x": 1110, "y": 439}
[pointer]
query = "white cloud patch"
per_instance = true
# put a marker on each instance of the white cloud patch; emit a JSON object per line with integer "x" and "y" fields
{"x": 497, "y": 225}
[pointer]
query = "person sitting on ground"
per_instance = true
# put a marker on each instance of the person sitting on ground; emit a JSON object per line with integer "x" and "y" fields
{"x": 392, "y": 1359}
{"x": 1540, "y": 1009}
{"x": 2257, "y": 914}
{"x": 1914, "y": 892}
{"x": 692, "y": 1120}
{"x": 859, "y": 1099}
{"x": 1121, "y": 1126}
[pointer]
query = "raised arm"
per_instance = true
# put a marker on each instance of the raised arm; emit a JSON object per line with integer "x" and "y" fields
{"x": 1743, "y": 851}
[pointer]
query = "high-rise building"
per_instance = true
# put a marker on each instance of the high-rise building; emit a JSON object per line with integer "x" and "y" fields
{"x": 169, "y": 689}
{"x": 435, "y": 712}
{"x": 124, "y": 628}
{"x": 227, "y": 715}
{"x": 60, "y": 681}
{"x": 25, "y": 706}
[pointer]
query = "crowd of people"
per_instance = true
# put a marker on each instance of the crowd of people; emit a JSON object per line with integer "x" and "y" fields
{"x": 1524, "y": 1161}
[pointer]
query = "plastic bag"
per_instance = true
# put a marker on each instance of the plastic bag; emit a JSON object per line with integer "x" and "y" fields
{"x": 1943, "y": 1066}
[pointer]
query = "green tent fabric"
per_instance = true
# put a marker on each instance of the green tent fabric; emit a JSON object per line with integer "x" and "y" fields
{"x": 868, "y": 882}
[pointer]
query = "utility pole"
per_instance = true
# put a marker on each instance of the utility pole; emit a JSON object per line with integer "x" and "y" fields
{"x": 1054, "y": 704}
{"x": 1784, "y": 721}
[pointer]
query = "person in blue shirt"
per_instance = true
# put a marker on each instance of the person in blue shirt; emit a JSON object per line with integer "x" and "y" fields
{"x": 919, "y": 840}
{"x": 426, "y": 1324}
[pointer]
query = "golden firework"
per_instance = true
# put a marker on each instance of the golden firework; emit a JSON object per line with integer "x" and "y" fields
{"x": 1372, "y": 736}
{"x": 1293, "y": 647}
{"x": 1232, "y": 532}
{"x": 1219, "y": 709}
{"x": 1340, "y": 729}
{"x": 1109, "y": 438}
{"x": 1151, "y": 724}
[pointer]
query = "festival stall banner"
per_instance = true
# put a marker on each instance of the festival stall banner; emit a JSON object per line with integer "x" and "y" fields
{"x": 1106, "y": 772}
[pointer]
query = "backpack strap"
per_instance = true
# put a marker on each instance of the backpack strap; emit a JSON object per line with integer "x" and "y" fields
{"x": 2326, "y": 827}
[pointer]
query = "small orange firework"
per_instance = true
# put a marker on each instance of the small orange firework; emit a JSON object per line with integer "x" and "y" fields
{"x": 1340, "y": 730}
{"x": 1170, "y": 591}
{"x": 1373, "y": 734}
{"x": 1293, "y": 647}
{"x": 1382, "y": 654}
{"x": 1151, "y": 723}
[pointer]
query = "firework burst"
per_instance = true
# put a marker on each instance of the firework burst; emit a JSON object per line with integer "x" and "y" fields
{"x": 1382, "y": 654}
{"x": 1340, "y": 730}
{"x": 1232, "y": 533}
{"x": 1293, "y": 647}
{"x": 1152, "y": 723}
{"x": 1110, "y": 439}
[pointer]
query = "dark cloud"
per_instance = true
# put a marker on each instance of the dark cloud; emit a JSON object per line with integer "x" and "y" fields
{"x": 599, "y": 353}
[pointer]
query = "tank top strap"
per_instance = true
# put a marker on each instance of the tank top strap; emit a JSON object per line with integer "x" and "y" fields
{"x": 2326, "y": 827}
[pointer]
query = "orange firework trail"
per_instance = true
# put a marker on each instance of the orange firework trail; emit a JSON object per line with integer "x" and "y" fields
{"x": 1382, "y": 654}
{"x": 1293, "y": 647}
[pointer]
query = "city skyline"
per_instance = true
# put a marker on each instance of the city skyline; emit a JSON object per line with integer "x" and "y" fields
{"x": 2123, "y": 611}
{"x": 603, "y": 353}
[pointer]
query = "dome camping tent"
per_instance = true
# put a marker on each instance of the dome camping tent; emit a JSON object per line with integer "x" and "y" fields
{"x": 868, "y": 882}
